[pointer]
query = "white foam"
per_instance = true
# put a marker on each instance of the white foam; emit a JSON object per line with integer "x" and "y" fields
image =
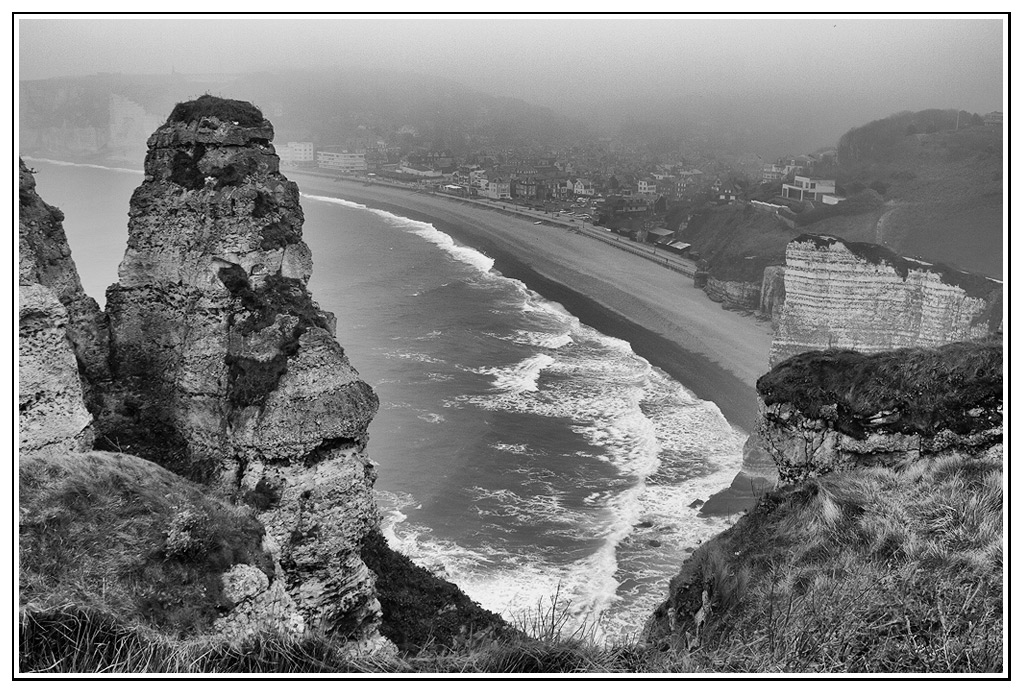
{"x": 57, "y": 162}
{"x": 413, "y": 356}
{"x": 464, "y": 254}
{"x": 521, "y": 377}
{"x": 335, "y": 201}
{"x": 541, "y": 339}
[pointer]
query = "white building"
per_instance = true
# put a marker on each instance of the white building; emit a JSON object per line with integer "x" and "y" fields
{"x": 806, "y": 188}
{"x": 342, "y": 161}
{"x": 647, "y": 187}
{"x": 296, "y": 152}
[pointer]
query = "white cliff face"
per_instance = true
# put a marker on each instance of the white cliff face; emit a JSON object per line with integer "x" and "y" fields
{"x": 226, "y": 370}
{"x": 837, "y": 298}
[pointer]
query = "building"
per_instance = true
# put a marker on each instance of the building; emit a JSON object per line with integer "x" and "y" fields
{"x": 583, "y": 186}
{"x": 296, "y": 153}
{"x": 806, "y": 188}
{"x": 420, "y": 170}
{"x": 342, "y": 161}
{"x": 499, "y": 189}
{"x": 646, "y": 186}
{"x": 772, "y": 172}
{"x": 726, "y": 194}
{"x": 994, "y": 118}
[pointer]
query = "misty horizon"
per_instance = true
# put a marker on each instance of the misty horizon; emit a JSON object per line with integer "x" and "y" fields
{"x": 840, "y": 71}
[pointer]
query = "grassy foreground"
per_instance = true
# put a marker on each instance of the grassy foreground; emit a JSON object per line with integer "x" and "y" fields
{"x": 874, "y": 570}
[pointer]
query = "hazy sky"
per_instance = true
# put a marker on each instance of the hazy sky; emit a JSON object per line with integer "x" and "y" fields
{"x": 902, "y": 63}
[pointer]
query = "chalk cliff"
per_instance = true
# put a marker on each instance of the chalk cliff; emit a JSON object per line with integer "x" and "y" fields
{"x": 861, "y": 296}
{"x": 227, "y": 372}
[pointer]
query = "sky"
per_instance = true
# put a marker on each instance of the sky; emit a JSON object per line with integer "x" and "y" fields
{"x": 569, "y": 63}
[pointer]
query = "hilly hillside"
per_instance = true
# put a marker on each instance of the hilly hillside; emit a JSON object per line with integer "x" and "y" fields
{"x": 915, "y": 182}
{"x": 943, "y": 185}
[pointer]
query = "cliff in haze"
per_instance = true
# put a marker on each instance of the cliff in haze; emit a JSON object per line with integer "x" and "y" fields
{"x": 846, "y": 295}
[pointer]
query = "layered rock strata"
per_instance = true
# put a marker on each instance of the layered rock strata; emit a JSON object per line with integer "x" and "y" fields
{"x": 846, "y": 295}
{"x": 832, "y": 411}
{"x": 227, "y": 372}
{"x": 733, "y": 294}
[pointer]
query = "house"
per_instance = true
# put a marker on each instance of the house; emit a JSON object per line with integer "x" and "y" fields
{"x": 583, "y": 186}
{"x": 726, "y": 194}
{"x": 806, "y": 188}
{"x": 647, "y": 187}
{"x": 528, "y": 188}
{"x": 498, "y": 188}
{"x": 994, "y": 118}
{"x": 772, "y": 172}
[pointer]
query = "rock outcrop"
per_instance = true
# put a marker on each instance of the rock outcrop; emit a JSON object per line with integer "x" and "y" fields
{"x": 844, "y": 295}
{"x": 62, "y": 332}
{"x": 823, "y": 412}
{"x": 228, "y": 373}
{"x": 44, "y": 258}
{"x": 52, "y": 416}
{"x": 733, "y": 294}
{"x": 773, "y": 293}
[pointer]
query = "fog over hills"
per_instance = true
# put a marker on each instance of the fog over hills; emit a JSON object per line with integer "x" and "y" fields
{"x": 776, "y": 85}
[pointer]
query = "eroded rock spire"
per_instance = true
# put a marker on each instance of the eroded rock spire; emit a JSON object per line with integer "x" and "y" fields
{"x": 226, "y": 370}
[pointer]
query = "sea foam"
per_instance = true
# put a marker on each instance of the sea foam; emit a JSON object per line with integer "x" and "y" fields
{"x": 57, "y": 162}
{"x": 425, "y": 230}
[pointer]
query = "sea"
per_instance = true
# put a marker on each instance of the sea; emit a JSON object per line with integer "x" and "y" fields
{"x": 542, "y": 466}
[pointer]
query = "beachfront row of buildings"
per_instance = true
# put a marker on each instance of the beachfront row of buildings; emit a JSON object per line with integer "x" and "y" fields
{"x": 336, "y": 158}
{"x": 545, "y": 180}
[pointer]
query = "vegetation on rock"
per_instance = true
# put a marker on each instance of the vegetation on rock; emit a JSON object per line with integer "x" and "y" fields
{"x": 957, "y": 386}
{"x": 125, "y": 537}
{"x": 873, "y": 570}
{"x": 226, "y": 110}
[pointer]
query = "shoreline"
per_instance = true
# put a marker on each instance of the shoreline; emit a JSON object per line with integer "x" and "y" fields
{"x": 716, "y": 354}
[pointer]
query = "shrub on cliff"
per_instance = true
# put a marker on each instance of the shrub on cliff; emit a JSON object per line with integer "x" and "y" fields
{"x": 957, "y": 386}
{"x": 227, "y": 110}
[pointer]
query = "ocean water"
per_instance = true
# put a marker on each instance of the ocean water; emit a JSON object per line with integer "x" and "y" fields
{"x": 523, "y": 455}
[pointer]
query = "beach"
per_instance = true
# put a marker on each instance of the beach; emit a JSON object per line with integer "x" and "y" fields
{"x": 717, "y": 354}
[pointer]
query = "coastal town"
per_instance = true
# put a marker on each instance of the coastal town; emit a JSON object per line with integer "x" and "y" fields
{"x": 606, "y": 186}
{"x": 609, "y": 184}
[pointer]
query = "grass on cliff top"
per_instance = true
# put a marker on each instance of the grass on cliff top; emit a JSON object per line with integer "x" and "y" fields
{"x": 121, "y": 535}
{"x": 227, "y": 110}
{"x": 875, "y": 570}
{"x": 932, "y": 389}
